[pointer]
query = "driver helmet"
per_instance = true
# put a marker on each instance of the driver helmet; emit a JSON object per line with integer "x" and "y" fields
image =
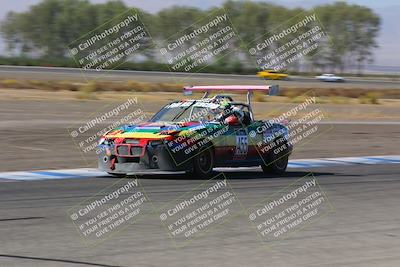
{"x": 238, "y": 113}
{"x": 232, "y": 119}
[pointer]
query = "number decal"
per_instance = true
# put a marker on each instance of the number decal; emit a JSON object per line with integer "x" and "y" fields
{"x": 241, "y": 145}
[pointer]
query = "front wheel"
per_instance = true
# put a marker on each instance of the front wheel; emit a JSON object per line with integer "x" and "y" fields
{"x": 203, "y": 164}
{"x": 276, "y": 163}
{"x": 277, "y": 166}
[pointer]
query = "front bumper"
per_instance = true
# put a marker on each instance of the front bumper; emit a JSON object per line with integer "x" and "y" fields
{"x": 150, "y": 159}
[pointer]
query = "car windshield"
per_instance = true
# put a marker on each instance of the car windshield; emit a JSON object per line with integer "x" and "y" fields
{"x": 187, "y": 111}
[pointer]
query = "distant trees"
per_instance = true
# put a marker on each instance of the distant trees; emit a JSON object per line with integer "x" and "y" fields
{"x": 47, "y": 28}
{"x": 353, "y": 30}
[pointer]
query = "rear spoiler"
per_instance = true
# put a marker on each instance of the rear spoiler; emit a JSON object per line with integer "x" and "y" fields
{"x": 269, "y": 89}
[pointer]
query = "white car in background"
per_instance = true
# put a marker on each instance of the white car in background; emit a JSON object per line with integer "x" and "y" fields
{"x": 327, "y": 77}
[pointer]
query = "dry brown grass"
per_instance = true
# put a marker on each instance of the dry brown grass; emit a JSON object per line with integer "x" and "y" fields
{"x": 342, "y": 92}
{"x": 11, "y": 83}
{"x": 293, "y": 94}
{"x": 370, "y": 98}
{"x": 258, "y": 97}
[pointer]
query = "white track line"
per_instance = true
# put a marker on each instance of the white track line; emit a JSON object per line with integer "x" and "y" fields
{"x": 296, "y": 163}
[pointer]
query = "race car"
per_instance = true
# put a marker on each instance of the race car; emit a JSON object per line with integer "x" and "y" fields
{"x": 196, "y": 135}
{"x": 328, "y": 77}
{"x": 272, "y": 75}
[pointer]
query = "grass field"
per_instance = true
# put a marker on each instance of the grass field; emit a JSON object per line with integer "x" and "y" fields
{"x": 336, "y": 107}
{"x": 90, "y": 90}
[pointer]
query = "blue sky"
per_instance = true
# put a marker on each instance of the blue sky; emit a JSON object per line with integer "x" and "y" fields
{"x": 387, "y": 54}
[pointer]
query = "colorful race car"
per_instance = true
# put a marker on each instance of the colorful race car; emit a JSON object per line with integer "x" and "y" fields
{"x": 197, "y": 135}
{"x": 272, "y": 75}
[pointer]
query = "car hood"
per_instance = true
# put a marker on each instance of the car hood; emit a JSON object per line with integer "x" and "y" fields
{"x": 154, "y": 130}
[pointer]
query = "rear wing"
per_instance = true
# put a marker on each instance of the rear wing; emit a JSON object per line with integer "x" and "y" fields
{"x": 268, "y": 89}
{"x": 271, "y": 90}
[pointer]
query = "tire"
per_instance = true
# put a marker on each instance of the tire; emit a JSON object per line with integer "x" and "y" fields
{"x": 203, "y": 164}
{"x": 118, "y": 175}
{"x": 276, "y": 163}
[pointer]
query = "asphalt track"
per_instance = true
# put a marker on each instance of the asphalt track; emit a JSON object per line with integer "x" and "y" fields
{"x": 362, "y": 230}
{"x": 35, "y": 230}
{"x": 55, "y": 73}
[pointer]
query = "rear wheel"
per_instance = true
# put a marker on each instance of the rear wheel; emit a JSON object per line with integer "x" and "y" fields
{"x": 203, "y": 164}
{"x": 276, "y": 163}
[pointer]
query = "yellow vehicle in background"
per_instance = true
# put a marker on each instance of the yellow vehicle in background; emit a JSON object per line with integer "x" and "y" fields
{"x": 272, "y": 75}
